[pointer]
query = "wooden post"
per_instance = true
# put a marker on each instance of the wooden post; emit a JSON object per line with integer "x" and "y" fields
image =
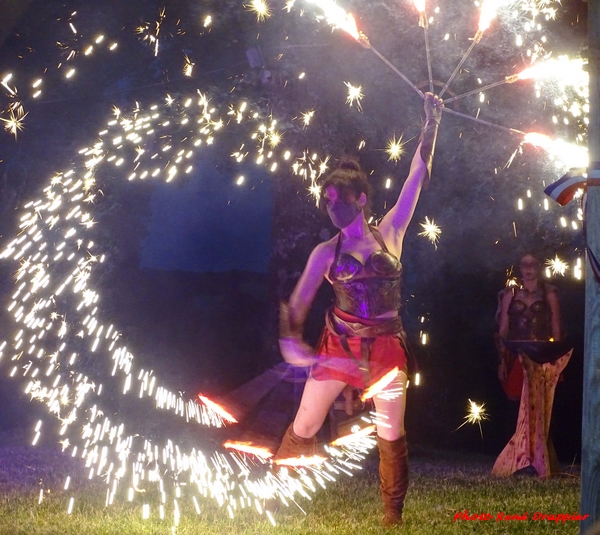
{"x": 590, "y": 443}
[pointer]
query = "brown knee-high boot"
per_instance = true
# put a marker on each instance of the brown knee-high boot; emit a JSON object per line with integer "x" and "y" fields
{"x": 393, "y": 474}
{"x": 293, "y": 447}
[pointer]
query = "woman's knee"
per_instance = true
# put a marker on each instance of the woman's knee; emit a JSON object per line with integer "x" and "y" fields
{"x": 306, "y": 429}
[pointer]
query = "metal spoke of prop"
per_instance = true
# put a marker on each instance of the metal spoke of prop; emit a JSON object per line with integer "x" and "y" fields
{"x": 428, "y": 54}
{"x": 423, "y": 22}
{"x": 512, "y": 131}
{"x": 476, "y": 40}
{"x": 508, "y": 80}
{"x": 364, "y": 41}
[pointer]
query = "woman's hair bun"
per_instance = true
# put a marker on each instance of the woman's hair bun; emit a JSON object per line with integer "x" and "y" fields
{"x": 350, "y": 163}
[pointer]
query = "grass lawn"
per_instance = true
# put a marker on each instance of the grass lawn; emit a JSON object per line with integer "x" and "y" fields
{"x": 442, "y": 484}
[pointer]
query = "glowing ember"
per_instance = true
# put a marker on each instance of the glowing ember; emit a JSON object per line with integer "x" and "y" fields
{"x": 378, "y": 386}
{"x": 248, "y": 447}
{"x": 353, "y": 437}
{"x": 217, "y": 408}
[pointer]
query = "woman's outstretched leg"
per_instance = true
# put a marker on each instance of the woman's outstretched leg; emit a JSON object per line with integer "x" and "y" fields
{"x": 300, "y": 440}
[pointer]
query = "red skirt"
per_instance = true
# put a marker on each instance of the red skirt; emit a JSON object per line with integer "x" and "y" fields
{"x": 335, "y": 363}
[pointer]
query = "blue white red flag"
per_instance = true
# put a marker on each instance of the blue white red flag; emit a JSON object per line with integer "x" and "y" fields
{"x": 565, "y": 188}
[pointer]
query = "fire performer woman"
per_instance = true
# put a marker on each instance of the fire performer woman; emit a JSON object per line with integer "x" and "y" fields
{"x": 362, "y": 341}
{"x": 530, "y": 326}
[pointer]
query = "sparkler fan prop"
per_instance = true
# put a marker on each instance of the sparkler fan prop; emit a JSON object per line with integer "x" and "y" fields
{"x": 59, "y": 327}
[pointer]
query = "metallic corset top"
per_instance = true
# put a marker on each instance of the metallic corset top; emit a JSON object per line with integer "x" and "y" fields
{"x": 529, "y": 322}
{"x": 368, "y": 290}
{"x": 380, "y": 264}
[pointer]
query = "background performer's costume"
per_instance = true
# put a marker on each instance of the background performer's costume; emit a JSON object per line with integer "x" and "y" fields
{"x": 531, "y": 446}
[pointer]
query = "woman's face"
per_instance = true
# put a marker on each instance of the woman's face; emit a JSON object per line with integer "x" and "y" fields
{"x": 342, "y": 210}
{"x": 530, "y": 267}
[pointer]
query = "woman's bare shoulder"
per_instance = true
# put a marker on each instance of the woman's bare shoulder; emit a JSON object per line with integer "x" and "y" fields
{"x": 506, "y": 292}
{"x": 325, "y": 250}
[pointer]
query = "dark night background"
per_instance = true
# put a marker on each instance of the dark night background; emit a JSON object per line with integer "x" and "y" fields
{"x": 196, "y": 269}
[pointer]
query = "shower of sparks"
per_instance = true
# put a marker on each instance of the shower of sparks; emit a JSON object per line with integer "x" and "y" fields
{"x": 475, "y": 413}
{"x": 336, "y": 16}
{"x": 557, "y": 266}
{"x": 395, "y": 149}
{"x": 565, "y": 155}
{"x": 489, "y": 10}
{"x": 310, "y": 167}
{"x": 355, "y": 94}
{"x": 570, "y": 71}
{"x": 260, "y": 8}
{"x": 431, "y": 231}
